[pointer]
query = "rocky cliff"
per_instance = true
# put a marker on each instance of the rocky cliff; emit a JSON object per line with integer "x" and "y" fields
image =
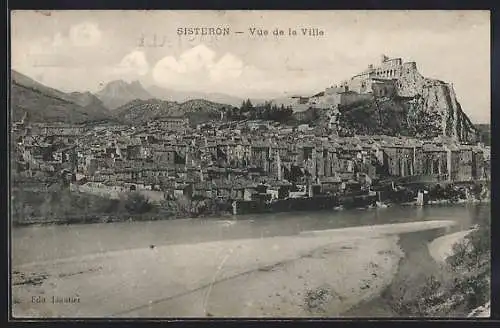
{"x": 118, "y": 93}
{"x": 420, "y": 107}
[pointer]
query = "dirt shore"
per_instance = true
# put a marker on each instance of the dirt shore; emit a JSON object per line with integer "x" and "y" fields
{"x": 312, "y": 274}
{"x": 442, "y": 247}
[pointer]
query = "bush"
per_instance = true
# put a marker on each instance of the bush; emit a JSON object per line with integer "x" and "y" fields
{"x": 471, "y": 264}
{"x": 136, "y": 203}
{"x": 452, "y": 289}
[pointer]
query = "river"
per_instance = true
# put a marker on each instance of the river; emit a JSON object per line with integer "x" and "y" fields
{"x": 42, "y": 243}
{"x": 267, "y": 263}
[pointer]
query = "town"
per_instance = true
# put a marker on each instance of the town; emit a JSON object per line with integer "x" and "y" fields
{"x": 267, "y": 162}
{"x": 250, "y": 164}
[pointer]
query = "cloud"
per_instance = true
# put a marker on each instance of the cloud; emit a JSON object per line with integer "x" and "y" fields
{"x": 71, "y": 49}
{"x": 198, "y": 58}
{"x": 85, "y": 34}
{"x": 229, "y": 66}
{"x": 198, "y": 69}
{"x": 132, "y": 65}
{"x": 202, "y": 69}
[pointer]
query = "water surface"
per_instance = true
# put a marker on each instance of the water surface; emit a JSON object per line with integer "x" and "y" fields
{"x": 42, "y": 243}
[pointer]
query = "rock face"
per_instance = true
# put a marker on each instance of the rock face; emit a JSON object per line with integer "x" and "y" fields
{"x": 118, "y": 93}
{"x": 423, "y": 107}
{"x": 438, "y": 99}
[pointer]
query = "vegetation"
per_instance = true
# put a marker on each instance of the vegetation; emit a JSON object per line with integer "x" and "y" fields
{"x": 266, "y": 111}
{"x": 136, "y": 203}
{"x": 316, "y": 300}
{"x": 424, "y": 124}
{"x": 59, "y": 204}
{"x": 197, "y": 110}
{"x": 374, "y": 117}
{"x": 184, "y": 207}
{"x": 454, "y": 288}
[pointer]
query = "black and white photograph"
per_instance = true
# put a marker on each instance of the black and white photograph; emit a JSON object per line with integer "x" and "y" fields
{"x": 249, "y": 164}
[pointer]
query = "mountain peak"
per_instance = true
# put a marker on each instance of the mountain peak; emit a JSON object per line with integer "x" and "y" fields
{"x": 118, "y": 92}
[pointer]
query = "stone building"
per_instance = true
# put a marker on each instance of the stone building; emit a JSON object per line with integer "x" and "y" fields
{"x": 173, "y": 123}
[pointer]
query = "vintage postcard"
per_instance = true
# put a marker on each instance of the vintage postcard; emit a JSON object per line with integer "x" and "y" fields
{"x": 249, "y": 164}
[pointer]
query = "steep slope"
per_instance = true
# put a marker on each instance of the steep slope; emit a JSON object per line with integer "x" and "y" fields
{"x": 198, "y": 110}
{"x": 45, "y": 104}
{"x": 118, "y": 93}
{"x": 397, "y": 100}
{"x": 431, "y": 112}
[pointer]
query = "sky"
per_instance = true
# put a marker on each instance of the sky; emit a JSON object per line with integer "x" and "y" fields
{"x": 84, "y": 50}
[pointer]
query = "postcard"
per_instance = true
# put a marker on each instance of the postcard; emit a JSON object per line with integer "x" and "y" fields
{"x": 249, "y": 164}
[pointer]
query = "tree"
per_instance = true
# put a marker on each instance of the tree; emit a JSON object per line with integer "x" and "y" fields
{"x": 246, "y": 106}
{"x": 136, "y": 203}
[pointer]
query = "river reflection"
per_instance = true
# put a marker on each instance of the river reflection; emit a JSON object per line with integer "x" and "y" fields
{"x": 41, "y": 243}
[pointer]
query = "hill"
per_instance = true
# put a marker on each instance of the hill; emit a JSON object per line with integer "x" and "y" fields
{"x": 44, "y": 104}
{"x": 430, "y": 113}
{"x": 183, "y": 96}
{"x": 395, "y": 99}
{"x": 197, "y": 110}
{"x": 118, "y": 93}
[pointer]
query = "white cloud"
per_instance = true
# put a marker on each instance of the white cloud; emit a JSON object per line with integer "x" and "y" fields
{"x": 198, "y": 58}
{"x": 85, "y": 34}
{"x": 229, "y": 66}
{"x": 61, "y": 50}
{"x": 198, "y": 69}
{"x": 132, "y": 65}
{"x": 201, "y": 69}
{"x": 58, "y": 40}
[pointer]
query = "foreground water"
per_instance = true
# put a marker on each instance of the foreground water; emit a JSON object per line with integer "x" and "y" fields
{"x": 45, "y": 243}
{"x": 279, "y": 265}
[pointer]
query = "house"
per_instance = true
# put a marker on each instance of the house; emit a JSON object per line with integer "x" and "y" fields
{"x": 465, "y": 163}
{"x": 330, "y": 185}
{"x": 435, "y": 159}
{"x": 177, "y": 124}
{"x": 183, "y": 190}
{"x": 399, "y": 159}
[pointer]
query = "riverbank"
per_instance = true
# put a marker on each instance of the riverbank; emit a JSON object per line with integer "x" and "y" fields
{"x": 112, "y": 218}
{"x": 442, "y": 247}
{"x": 448, "y": 277}
{"x": 400, "y": 299}
{"x": 311, "y": 274}
{"x": 61, "y": 206}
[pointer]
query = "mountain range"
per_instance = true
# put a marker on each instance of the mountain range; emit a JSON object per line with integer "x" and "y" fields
{"x": 118, "y": 93}
{"x": 182, "y": 96}
{"x": 117, "y": 101}
{"x": 44, "y": 104}
{"x": 432, "y": 109}
{"x": 198, "y": 110}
